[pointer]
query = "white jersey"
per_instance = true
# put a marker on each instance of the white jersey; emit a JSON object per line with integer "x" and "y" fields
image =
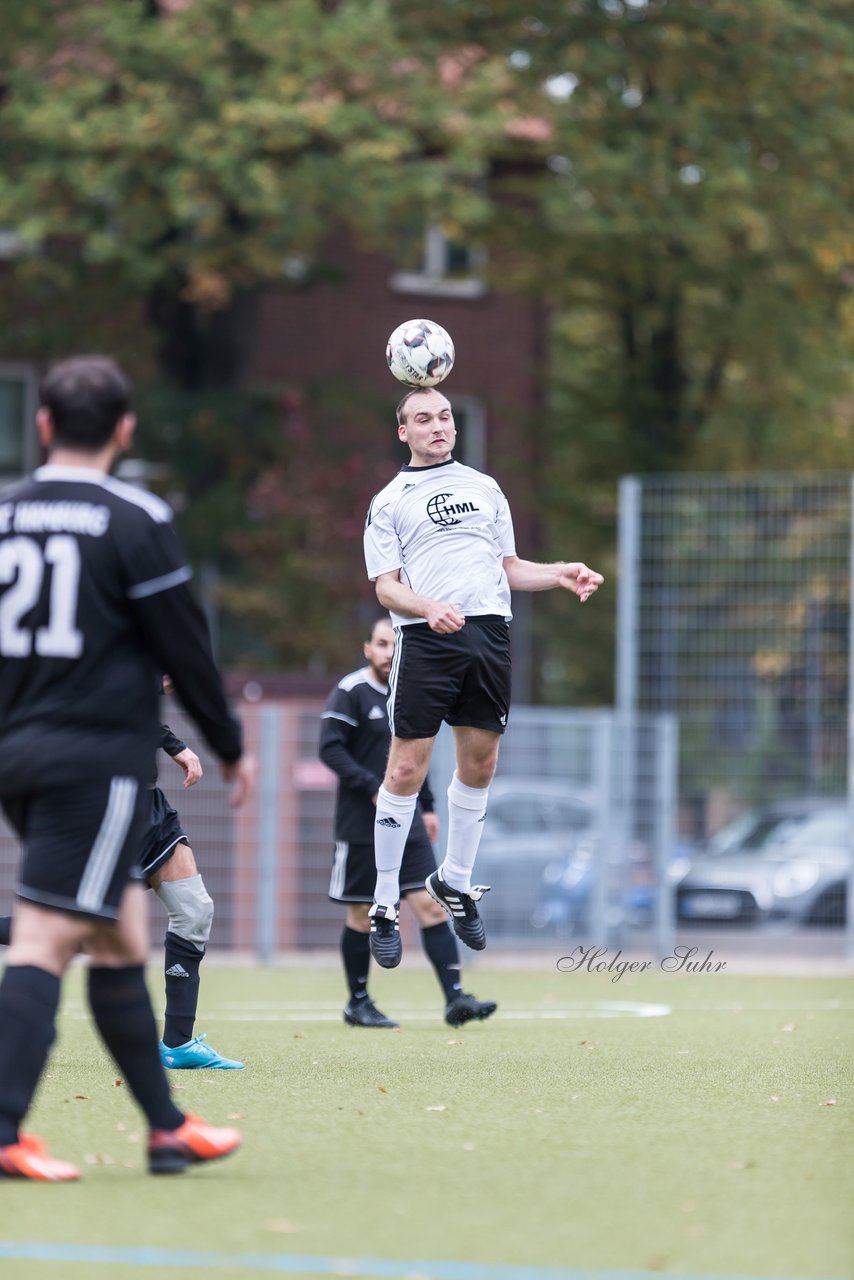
{"x": 447, "y": 528}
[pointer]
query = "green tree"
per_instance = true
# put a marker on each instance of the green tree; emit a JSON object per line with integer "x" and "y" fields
{"x": 164, "y": 162}
{"x": 674, "y": 177}
{"x": 695, "y": 238}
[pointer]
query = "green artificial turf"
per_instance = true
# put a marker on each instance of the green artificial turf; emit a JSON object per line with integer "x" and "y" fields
{"x": 713, "y": 1141}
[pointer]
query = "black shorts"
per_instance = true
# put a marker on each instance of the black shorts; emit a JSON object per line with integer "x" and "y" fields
{"x": 161, "y": 834}
{"x": 80, "y": 844}
{"x": 462, "y": 678}
{"x": 354, "y": 871}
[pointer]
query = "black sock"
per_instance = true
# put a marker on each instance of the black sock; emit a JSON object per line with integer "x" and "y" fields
{"x": 182, "y": 962}
{"x": 5, "y": 930}
{"x": 121, "y": 1007}
{"x": 441, "y": 947}
{"x": 29, "y": 999}
{"x": 356, "y": 954}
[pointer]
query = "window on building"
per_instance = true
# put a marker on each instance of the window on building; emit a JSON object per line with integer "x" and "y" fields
{"x": 433, "y": 263}
{"x": 18, "y": 448}
{"x": 470, "y": 420}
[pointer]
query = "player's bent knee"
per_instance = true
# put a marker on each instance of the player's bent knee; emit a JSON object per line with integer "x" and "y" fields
{"x": 190, "y": 908}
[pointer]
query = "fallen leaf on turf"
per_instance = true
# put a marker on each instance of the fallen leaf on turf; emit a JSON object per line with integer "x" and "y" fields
{"x": 117, "y": 1084}
{"x": 831, "y": 1102}
{"x": 435, "y": 1108}
{"x": 382, "y": 1088}
{"x": 81, "y": 1097}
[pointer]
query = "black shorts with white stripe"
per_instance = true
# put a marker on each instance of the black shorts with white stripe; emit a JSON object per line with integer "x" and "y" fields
{"x": 354, "y": 871}
{"x": 81, "y": 844}
{"x": 463, "y": 678}
{"x": 162, "y": 835}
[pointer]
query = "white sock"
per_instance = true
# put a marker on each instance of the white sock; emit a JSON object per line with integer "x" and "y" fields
{"x": 391, "y": 829}
{"x": 466, "y": 811}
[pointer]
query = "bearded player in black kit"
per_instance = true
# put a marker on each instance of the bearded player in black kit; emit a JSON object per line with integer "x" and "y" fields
{"x": 354, "y": 742}
{"x": 94, "y": 607}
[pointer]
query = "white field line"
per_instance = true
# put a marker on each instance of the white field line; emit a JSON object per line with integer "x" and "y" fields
{"x": 323, "y": 1012}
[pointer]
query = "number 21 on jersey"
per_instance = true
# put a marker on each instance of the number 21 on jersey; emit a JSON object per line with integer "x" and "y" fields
{"x": 23, "y": 563}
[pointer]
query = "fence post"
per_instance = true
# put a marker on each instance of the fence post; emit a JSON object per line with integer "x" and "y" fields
{"x": 849, "y": 911}
{"x": 606, "y": 831}
{"x": 666, "y": 788}
{"x": 626, "y": 738}
{"x": 268, "y": 848}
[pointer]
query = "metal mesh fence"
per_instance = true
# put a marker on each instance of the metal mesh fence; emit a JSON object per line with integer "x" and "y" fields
{"x": 556, "y": 846}
{"x": 735, "y": 617}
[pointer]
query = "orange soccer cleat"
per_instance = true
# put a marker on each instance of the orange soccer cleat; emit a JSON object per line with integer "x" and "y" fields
{"x": 28, "y": 1158}
{"x": 194, "y": 1142}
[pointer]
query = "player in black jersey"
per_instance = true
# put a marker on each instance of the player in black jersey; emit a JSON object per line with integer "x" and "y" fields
{"x": 354, "y": 741}
{"x": 439, "y": 546}
{"x": 94, "y": 606}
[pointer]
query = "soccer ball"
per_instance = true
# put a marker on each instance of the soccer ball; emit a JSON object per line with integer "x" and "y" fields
{"x": 420, "y": 353}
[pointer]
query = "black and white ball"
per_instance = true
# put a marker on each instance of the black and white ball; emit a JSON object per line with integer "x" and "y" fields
{"x": 420, "y": 353}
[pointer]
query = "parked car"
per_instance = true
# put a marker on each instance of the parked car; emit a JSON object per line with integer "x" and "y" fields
{"x": 568, "y": 889}
{"x": 787, "y": 862}
{"x": 531, "y": 823}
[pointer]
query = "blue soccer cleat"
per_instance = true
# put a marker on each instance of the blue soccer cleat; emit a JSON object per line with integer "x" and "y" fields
{"x": 195, "y": 1054}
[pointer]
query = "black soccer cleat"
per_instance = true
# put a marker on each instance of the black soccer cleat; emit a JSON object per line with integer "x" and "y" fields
{"x": 460, "y": 906}
{"x": 386, "y": 947}
{"x": 465, "y": 1008}
{"x": 364, "y": 1013}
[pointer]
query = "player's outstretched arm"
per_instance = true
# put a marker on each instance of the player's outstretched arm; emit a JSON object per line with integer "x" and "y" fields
{"x": 527, "y": 575}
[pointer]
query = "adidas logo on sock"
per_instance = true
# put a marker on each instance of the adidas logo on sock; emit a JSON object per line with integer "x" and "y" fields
{"x": 387, "y": 822}
{"x": 177, "y": 971}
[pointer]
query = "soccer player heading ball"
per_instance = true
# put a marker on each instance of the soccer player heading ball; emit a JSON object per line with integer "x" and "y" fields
{"x": 439, "y": 546}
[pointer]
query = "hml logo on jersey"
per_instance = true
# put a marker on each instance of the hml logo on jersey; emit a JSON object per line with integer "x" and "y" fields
{"x": 441, "y": 510}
